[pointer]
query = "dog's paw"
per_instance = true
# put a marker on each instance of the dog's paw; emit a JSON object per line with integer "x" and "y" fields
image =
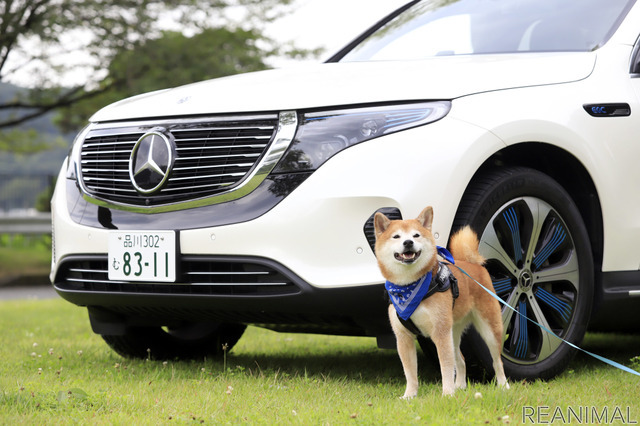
{"x": 461, "y": 385}
{"x": 407, "y": 397}
{"x": 448, "y": 392}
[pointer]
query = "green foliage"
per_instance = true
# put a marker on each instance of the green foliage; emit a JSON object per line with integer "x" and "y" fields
{"x": 29, "y": 141}
{"x": 24, "y": 255}
{"x": 42, "y": 34}
{"x": 172, "y": 60}
{"x": 36, "y": 246}
{"x": 20, "y": 142}
{"x": 43, "y": 199}
{"x": 56, "y": 371}
{"x": 25, "y": 191}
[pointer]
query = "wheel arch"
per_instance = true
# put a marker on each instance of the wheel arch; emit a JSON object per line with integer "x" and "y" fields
{"x": 571, "y": 174}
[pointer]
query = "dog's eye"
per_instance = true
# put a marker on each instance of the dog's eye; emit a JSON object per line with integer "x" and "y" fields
{"x": 395, "y": 237}
{"x": 416, "y": 236}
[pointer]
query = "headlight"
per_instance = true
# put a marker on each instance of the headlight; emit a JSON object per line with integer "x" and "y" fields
{"x": 322, "y": 134}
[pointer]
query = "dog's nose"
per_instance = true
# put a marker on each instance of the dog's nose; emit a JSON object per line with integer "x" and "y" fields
{"x": 408, "y": 243}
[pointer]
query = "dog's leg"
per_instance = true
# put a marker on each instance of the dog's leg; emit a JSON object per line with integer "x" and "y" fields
{"x": 409, "y": 357}
{"x": 405, "y": 342}
{"x": 461, "y": 368}
{"x": 492, "y": 336}
{"x": 443, "y": 339}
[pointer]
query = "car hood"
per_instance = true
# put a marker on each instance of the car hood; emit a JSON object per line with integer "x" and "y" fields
{"x": 335, "y": 84}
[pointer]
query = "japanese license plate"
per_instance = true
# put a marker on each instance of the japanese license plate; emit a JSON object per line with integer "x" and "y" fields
{"x": 142, "y": 256}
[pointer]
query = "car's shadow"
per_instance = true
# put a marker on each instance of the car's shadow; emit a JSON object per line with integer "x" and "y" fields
{"x": 374, "y": 366}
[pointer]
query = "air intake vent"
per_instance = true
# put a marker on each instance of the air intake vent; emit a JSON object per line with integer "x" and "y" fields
{"x": 391, "y": 212}
{"x": 202, "y": 275}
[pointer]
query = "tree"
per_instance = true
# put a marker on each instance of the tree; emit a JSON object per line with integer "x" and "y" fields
{"x": 171, "y": 60}
{"x": 36, "y": 34}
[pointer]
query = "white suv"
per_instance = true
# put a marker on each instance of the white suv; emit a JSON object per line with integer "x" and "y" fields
{"x": 180, "y": 216}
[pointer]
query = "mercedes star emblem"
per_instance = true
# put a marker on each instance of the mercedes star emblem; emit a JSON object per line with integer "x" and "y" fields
{"x": 151, "y": 161}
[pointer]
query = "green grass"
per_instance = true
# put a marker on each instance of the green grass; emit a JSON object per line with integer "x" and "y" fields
{"x": 54, "y": 370}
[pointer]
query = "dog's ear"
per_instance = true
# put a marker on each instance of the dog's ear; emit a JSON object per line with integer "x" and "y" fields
{"x": 426, "y": 217}
{"x": 380, "y": 223}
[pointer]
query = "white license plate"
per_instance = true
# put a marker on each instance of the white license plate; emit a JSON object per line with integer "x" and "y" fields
{"x": 142, "y": 256}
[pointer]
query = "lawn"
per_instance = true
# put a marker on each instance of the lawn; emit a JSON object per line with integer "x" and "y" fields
{"x": 54, "y": 370}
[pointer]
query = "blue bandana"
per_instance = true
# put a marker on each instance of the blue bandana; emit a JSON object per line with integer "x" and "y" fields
{"x": 406, "y": 298}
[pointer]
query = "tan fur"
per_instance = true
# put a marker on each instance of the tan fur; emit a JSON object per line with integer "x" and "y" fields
{"x": 464, "y": 245}
{"x": 435, "y": 317}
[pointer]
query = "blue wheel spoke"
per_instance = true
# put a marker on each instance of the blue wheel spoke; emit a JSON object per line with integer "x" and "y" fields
{"x": 521, "y": 332}
{"x": 563, "y": 308}
{"x": 502, "y": 286}
{"x": 511, "y": 219}
{"x": 559, "y": 235}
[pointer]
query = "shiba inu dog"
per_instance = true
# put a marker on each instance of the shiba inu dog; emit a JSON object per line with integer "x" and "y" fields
{"x": 408, "y": 258}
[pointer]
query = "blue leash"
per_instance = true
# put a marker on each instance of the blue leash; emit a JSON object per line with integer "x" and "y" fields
{"x": 603, "y": 359}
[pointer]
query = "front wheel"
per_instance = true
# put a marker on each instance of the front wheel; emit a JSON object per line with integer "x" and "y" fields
{"x": 189, "y": 341}
{"x": 539, "y": 258}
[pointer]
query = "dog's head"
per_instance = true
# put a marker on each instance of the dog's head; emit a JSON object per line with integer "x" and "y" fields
{"x": 405, "y": 249}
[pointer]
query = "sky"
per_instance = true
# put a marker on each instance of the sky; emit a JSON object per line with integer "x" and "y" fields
{"x": 329, "y": 23}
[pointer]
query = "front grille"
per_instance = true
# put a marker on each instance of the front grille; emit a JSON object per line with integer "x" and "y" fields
{"x": 200, "y": 276}
{"x": 212, "y": 156}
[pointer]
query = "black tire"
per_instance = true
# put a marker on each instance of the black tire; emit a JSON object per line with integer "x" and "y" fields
{"x": 193, "y": 341}
{"x": 540, "y": 260}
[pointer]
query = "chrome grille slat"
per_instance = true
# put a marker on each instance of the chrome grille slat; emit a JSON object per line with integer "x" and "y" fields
{"x": 225, "y": 138}
{"x": 198, "y": 148}
{"x": 122, "y": 172}
{"x": 86, "y": 270}
{"x": 209, "y": 157}
{"x": 106, "y": 179}
{"x": 89, "y": 280}
{"x": 103, "y": 144}
{"x": 210, "y": 176}
{"x": 215, "y": 185}
{"x": 212, "y": 156}
{"x": 218, "y": 128}
{"x": 105, "y": 161}
{"x": 88, "y": 153}
{"x": 104, "y": 188}
{"x": 212, "y": 166}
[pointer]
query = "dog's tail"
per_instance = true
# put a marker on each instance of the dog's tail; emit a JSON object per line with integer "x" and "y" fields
{"x": 464, "y": 246}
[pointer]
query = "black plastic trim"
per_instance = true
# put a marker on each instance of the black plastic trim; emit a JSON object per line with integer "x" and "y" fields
{"x": 342, "y": 52}
{"x": 608, "y": 110}
{"x": 392, "y": 213}
{"x": 266, "y": 196}
{"x": 357, "y": 310}
{"x": 617, "y": 309}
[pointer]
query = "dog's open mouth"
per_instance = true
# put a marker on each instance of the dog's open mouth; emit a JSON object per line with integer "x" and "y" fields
{"x": 408, "y": 256}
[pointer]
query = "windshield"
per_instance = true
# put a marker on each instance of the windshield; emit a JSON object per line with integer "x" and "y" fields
{"x": 466, "y": 27}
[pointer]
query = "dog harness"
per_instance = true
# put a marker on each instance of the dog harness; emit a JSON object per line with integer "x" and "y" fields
{"x": 406, "y": 298}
